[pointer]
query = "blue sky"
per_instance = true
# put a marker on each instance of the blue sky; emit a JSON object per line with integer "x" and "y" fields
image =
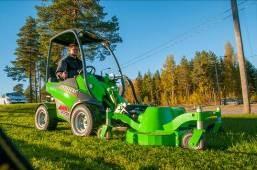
{"x": 177, "y": 27}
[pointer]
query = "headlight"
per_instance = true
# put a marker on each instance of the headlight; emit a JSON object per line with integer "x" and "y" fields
{"x": 111, "y": 76}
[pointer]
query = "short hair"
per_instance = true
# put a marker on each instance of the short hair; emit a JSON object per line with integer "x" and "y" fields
{"x": 72, "y": 45}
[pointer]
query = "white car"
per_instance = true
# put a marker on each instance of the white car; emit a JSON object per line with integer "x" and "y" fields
{"x": 10, "y": 98}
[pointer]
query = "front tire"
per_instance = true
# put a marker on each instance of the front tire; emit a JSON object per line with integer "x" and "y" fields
{"x": 107, "y": 135}
{"x": 44, "y": 120}
{"x": 185, "y": 142}
{"x": 81, "y": 121}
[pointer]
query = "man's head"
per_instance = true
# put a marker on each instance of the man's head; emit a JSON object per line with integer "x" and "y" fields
{"x": 73, "y": 49}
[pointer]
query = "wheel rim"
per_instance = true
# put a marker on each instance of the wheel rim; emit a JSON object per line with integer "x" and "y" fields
{"x": 41, "y": 119}
{"x": 187, "y": 138}
{"x": 81, "y": 122}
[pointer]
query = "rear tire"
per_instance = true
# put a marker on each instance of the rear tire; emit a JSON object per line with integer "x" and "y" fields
{"x": 185, "y": 142}
{"x": 81, "y": 121}
{"x": 44, "y": 120}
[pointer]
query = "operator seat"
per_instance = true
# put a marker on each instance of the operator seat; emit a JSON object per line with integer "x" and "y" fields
{"x": 52, "y": 76}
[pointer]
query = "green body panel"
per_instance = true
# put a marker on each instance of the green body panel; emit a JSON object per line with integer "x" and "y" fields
{"x": 68, "y": 94}
{"x": 125, "y": 119}
{"x": 60, "y": 92}
{"x": 154, "y": 118}
{"x": 135, "y": 137}
{"x": 81, "y": 84}
{"x": 98, "y": 88}
{"x": 189, "y": 118}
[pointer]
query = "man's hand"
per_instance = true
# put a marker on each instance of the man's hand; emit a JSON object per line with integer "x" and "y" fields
{"x": 62, "y": 75}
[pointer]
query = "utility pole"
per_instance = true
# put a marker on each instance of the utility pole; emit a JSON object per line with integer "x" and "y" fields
{"x": 240, "y": 55}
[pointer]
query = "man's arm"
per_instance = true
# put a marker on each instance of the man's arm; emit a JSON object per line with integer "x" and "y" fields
{"x": 61, "y": 71}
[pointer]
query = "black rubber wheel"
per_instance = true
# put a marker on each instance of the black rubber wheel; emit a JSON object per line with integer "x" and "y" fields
{"x": 185, "y": 142}
{"x": 107, "y": 135}
{"x": 44, "y": 120}
{"x": 81, "y": 121}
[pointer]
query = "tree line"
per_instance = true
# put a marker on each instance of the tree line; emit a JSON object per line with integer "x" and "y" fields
{"x": 205, "y": 79}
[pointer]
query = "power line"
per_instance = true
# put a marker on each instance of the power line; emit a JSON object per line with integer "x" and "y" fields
{"x": 189, "y": 34}
{"x": 241, "y": 9}
{"x": 178, "y": 39}
{"x": 173, "y": 40}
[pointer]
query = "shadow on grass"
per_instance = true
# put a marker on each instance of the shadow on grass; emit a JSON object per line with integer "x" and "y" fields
{"x": 240, "y": 125}
{"x": 242, "y": 153}
{"x": 17, "y": 125}
{"x": 63, "y": 128}
{"x": 62, "y": 158}
{"x": 150, "y": 167}
{"x": 236, "y": 130}
{"x": 59, "y": 128}
{"x": 16, "y": 114}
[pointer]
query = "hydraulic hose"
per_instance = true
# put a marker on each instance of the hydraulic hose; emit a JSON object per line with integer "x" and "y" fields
{"x": 132, "y": 87}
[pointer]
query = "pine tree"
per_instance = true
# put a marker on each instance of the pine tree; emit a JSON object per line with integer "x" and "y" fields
{"x": 128, "y": 93}
{"x": 147, "y": 90}
{"x": 60, "y": 15}
{"x": 18, "y": 88}
{"x": 203, "y": 76}
{"x": 139, "y": 86}
{"x": 251, "y": 77}
{"x": 168, "y": 81}
{"x": 184, "y": 80}
{"x": 14, "y": 72}
{"x": 229, "y": 68}
{"x": 27, "y": 55}
{"x": 157, "y": 88}
{"x": 231, "y": 83}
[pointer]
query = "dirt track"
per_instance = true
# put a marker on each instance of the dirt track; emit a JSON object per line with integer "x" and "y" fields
{"x": 228, "y": 109}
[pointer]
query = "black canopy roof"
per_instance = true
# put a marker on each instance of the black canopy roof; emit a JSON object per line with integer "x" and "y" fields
{"x": 68, "y": 36}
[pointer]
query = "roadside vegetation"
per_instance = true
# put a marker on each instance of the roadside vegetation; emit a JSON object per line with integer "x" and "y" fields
{"x": 195, "y": 81}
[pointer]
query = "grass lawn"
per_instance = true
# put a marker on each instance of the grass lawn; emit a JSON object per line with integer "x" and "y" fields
{"x": 234, "y": 148}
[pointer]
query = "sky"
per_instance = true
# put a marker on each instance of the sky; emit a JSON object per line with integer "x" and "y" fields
{"x": 151, "y": 30}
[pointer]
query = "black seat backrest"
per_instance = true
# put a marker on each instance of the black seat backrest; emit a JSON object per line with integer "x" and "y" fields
{"x": 52, "y": 76}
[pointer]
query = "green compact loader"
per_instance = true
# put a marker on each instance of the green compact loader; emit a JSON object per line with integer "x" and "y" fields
{"x": 93, "y": 100}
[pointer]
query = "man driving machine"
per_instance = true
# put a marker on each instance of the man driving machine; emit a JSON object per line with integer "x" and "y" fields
{"x": 69, "y": 66}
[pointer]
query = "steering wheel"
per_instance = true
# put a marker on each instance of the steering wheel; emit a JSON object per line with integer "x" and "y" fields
{"x": 91, "y": 71}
